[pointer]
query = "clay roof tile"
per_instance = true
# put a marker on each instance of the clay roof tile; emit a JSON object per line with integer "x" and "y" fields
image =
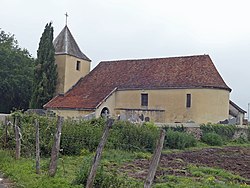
{"x": 158, "y": 73}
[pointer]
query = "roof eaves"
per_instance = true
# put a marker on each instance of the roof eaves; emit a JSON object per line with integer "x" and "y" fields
{"x": 66, "y": 53}
{"x": 237, "y": 107}
{"x": 172, "y": 87}
{"x": 72, "y": 108}
{"x": 45, "y": 105}
{"x": 102, "y": 101}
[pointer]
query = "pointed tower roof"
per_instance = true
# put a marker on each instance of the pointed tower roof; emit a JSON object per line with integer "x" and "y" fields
{"x": 66, "y": 44}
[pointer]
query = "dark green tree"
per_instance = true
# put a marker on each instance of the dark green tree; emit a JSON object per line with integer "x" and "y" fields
{"x": 45, "y": 71}
{"x": 16, "y": 74}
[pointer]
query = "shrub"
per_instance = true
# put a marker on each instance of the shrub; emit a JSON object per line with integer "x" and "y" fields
{"x": 133, "y": 137}
{"x": 225, "y": 131}
{"x": 123, "y": 135}
{"x": 241, "y": 140}
{"x": 179, "y": 140}
{"x": 248, "y": 133}
{"x": 28, "y": 140}
{"x": 212, "y": 139}
{"x": 81, "y": 135}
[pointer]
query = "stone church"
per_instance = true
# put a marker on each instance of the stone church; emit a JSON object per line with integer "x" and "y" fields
{"x": 164, "y": 90}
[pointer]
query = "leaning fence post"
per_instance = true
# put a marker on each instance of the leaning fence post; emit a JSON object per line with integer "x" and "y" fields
{"x": 55, "y": 148}
{"x": 97, "y": 158}
{"x": 155, "y": 160}
{"x": 37, "y": 148}
{"x": 18, "y": 139}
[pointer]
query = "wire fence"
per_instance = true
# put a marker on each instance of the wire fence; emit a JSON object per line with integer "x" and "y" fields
{"x": 77, "y": 136}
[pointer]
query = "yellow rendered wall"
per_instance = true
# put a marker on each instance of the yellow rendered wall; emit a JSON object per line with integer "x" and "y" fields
{"x": 72, "y": 113}
{"x": 72, "y": 75}
{"x": 67, "y": 73}
{"x": 60, "y": 62}
{"x": 108, "y": 103}
{"x": 207, "y": 105}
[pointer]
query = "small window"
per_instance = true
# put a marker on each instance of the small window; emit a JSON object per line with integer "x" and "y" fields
{"x": 78, "y": 65}
{"x": 188, "y": 102}
{"x": 144, "y": 99}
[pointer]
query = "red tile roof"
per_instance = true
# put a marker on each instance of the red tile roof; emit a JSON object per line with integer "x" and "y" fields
{"x": 159, "y": 73}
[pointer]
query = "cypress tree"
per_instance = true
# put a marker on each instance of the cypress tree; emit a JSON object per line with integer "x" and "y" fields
{"x": 45, "y": 78}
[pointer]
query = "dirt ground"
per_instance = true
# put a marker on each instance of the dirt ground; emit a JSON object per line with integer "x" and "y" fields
{"x": 233, "y": 159}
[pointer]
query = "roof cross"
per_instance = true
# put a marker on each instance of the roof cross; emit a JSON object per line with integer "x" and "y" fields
{"x": 66, "y": 17}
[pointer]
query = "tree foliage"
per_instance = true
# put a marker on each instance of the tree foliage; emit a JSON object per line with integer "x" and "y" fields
{"x": 16, "y": 74}
{"x": 45, "y": 70}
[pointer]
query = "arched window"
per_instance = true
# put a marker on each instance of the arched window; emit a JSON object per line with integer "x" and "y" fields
{"x": 105, "y": 112}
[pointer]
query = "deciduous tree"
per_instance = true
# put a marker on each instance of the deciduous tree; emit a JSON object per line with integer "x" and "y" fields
{"x": 16, "y": 74}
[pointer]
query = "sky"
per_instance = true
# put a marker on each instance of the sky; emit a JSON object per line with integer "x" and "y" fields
{"x": 132, "y": 29}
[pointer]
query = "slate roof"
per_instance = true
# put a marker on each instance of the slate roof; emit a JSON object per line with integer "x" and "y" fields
{"x": 158, "y": 73}
{"x": 66, "y": 44}
{"x": 237, "y": 107}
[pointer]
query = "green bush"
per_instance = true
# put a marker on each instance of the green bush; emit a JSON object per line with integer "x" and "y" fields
{"x": 81, "y": 135}
{"x": 123, "y": 135}
{"x": 241, "y": 140}
{"x": 225, "y": 131}
{"x": 212, "y": 139}
{"x": 27, "y": 129}
{"x": 133, "y": 137}
{"x": 179, "y": 140}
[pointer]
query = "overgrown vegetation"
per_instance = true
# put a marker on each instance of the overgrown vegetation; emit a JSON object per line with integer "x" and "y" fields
{"x": 202, "y": 177}
{"x": 106, "y": 175}
{"x": 72, "y": 171}
{"x": 27, "y": 126}
{"x": 81, "y": 135}
{"x": 123, "y": 136}
{"x": 212, "y": 139}
{"x": 179, "y": 140}
{"x": 223, "y": 134}
{"x": 79, "y": 141}
{"x": 225, "y": 131}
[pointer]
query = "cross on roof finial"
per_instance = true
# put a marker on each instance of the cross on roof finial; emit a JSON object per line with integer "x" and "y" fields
{"x": 66, "y": 17}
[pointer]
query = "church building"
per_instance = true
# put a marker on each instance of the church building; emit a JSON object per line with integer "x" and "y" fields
{"x": 163, "y": 90}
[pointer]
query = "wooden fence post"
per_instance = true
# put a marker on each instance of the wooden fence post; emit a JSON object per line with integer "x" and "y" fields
{"x": 97, "y": 158}
{"x": 6, "y": 131}
{"x": 55, "y": 148}
{"x": 155, "y": 160}
{"x": 18, "y": 139}
{"x": 37, "y": 148}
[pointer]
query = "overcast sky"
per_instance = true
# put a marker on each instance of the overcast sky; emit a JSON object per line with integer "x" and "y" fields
{"x": 127, "y": 29}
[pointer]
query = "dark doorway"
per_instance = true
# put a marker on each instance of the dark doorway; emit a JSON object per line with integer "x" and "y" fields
{"x": 105, "y": 112}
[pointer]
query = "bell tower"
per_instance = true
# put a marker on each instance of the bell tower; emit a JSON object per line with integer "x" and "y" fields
{"x": 72, "y": 64}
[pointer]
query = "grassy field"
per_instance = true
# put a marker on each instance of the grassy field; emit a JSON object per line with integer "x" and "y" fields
{"x": 217, "y": 160}
{"x": 22, "y": 171}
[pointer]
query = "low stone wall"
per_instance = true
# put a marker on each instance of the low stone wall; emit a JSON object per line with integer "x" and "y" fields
{"x": 194, "y": 129}
{"x": 242, "y": 132}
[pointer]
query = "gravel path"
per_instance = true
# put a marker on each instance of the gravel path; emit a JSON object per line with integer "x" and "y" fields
{"x": 4, "y": 183}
